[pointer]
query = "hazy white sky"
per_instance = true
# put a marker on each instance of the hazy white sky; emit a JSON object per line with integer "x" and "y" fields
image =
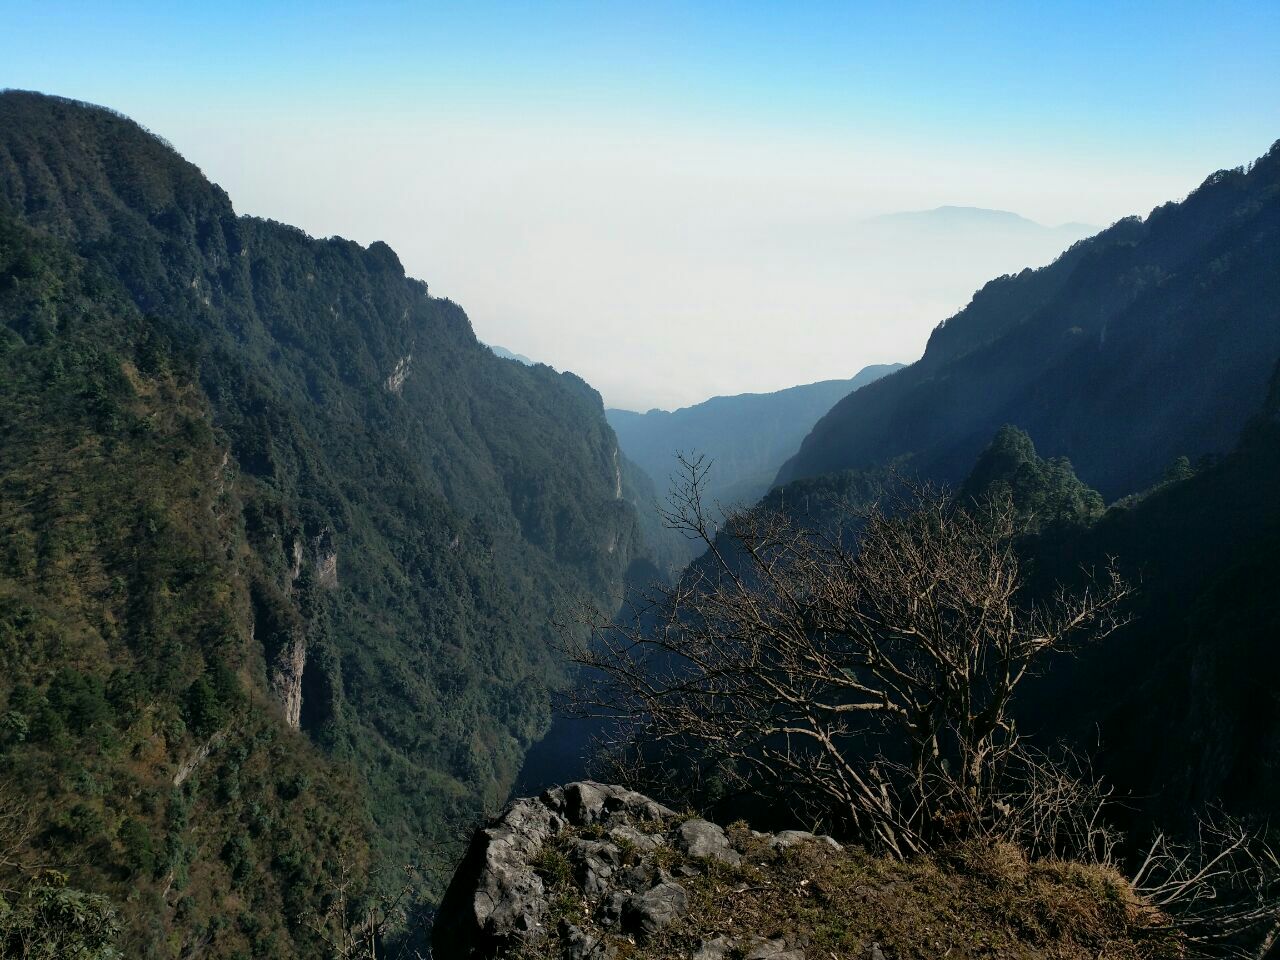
{"x": 667, "y": 198}
{"x": 666, "y": 265}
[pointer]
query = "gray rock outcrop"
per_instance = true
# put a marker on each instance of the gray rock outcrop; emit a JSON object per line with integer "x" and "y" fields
{"x": 609, "y": 846}
{"x": 700, "y": 838}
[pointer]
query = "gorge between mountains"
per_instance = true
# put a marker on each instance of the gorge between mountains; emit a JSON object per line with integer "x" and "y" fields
{"x": 298, "y": 579}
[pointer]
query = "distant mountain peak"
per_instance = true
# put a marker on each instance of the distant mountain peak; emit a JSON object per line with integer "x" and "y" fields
{"x": 865, "y": 375}
{"x": 956, "y": 215}
{"x": 506, "y": 354}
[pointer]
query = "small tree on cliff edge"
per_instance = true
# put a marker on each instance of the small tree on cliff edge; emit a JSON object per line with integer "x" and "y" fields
{"x": 784, "y": 647}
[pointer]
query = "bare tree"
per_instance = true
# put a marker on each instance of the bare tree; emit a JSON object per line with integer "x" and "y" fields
{"x": 18, "y": 827}
{"x": 785, "y": 648}
{"x": 356, "y": 928}
{"x": 1220, "y": 889}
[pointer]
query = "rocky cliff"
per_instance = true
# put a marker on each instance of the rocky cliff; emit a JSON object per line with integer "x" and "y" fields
{"x": 594, "y": 872}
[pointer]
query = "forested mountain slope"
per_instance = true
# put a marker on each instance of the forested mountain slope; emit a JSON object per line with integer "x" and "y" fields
{"x": 255, "y": 481}
{"x": 1182, "y": 706}
{"x": 125, "y": 637}
{"x": 1150, "y": 341}
{"x": 1179, "y": 709}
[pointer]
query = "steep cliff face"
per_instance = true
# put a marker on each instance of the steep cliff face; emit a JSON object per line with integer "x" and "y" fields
{"x": 404, "y": 512}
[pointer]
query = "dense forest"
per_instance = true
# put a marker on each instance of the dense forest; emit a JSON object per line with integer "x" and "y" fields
{"x": 284, "y": 545}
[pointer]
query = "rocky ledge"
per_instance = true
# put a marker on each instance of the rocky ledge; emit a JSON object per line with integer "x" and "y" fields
{"x": 595, "y": 872}
{"x": 589, "y": 869}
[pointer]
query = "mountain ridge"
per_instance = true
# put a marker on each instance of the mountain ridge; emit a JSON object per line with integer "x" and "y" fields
{"x": 960, "y": 215}
{"x": 1077, "y": 353}
{"x": 506, "y": 354}
{"x": 744, "y": 438}
{"x": 720, "y": 398}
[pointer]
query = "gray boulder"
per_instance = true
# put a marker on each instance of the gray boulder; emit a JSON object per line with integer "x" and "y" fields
{"x": 644, "y": 842}
{"x": 700, "y": 838}
{"x": 789, "y": 838}
{"x": 609, "y": 912}
{"x": 718, "y": 949}
{"x": 496, "y": 896}
{"x": 594, "y": 864}
{"x": 773, "y": 950}
{"x": 588, "y": 802}
{"x": 644, "y": 914}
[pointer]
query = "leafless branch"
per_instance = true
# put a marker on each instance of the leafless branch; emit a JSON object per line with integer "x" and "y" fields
{"x": 1217, "y": 888}
{"x": 786, "y": 651}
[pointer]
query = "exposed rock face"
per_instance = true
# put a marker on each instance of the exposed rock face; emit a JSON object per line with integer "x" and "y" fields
{"x": 595, "y": 872}
{"x": 644, "y": 914}
{"x": 399, "y": 374}
{"x": 611, "y": 842}
{"x": 290, "y": 659}
{"x": 282, "y": 634}
{"x": 325, "y": 554}
{"x": 286, "y": 678}
{"x": 295, "y": 566}
{"x": 188, "y": 766}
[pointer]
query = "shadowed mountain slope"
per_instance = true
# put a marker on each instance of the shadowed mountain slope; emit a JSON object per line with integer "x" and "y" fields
{"x": 748, "y": 436}
{"x": 1151, "y": 340}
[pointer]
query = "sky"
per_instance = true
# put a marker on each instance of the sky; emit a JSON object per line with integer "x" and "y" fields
{"x": 676, "y": 200}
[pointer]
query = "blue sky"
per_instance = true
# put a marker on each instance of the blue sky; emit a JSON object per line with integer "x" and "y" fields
{"x": 1088, "y": 74}
{"x": 513, "y": 151}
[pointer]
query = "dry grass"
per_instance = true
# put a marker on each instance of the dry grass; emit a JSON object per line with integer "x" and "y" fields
{"x": 973, "y": 901}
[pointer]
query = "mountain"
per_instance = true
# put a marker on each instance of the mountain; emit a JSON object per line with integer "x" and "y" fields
{"x": 957, "y": 218}
{"x": 746, "y": 437}
{"x": 1141, "y": 369}
{"x": 283, "y": 546}
{"x": 506, "y": 354}
{"x": 1178, "y": 709}
{"x": 1150, "y": 341}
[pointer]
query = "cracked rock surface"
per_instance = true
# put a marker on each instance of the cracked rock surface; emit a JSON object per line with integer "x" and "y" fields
{"x": 614, "y": 847}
